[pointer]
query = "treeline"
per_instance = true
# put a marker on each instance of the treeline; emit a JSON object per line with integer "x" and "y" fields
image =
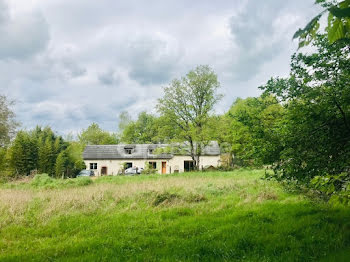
{"x": 41, "y": 150}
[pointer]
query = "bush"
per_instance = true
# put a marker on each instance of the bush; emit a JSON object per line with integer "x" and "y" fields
{"x": 337, "y": 187}
{"x": 149, "y": 170}
{"x": 44, "y": 181}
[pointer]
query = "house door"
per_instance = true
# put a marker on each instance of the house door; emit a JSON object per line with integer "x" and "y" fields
{"x": 104, "y": 170}
{"x": 163, "y": 167}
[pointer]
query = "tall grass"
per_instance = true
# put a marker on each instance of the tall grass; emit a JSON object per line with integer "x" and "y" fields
{"x": 233, "y": 216}
{"x": 44, "y": 181}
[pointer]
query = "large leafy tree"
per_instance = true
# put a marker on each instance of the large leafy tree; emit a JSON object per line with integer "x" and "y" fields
{"x": 8, "y": 123}
{"x": 94, "y": 135}
{"x": 142, "y": 131}
{"x": 316, "y": 133}
{"x": 124, "y": 120}
{"x": 338, "y": 28}
{"x": 187, "y": 104}
{"x": 254, "y": 130}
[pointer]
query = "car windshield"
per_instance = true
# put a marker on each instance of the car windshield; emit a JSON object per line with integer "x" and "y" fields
{"x": 84, "y": 172}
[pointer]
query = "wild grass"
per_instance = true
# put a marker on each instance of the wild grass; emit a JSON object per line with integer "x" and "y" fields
{"x": 225, "y": 216}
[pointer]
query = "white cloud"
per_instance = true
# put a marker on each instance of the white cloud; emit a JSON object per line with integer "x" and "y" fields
{"x": 68, "y": 63}
{"x": 22, "y": 35}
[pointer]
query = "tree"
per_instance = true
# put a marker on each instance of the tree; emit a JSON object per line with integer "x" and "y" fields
{"x": 75, "y": 160}
{"x": 94, "y": 135}
{"x": 61, "y": 164}
{"x": 187, "y": 104}
{"x": 254, "y": 130}
{"x": 43, "y": 151}
{"x": 23, "y": 154}
{"x": 316, "y": 133}
{"x": 49, "y": 146}
{"x": 338, "y": 28}
{"x": 7, "y": 121}
{"x": 142, "y": 131}
{"x": 124, "y": 121}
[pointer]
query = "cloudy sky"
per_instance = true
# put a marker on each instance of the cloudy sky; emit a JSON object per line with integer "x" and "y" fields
{"x": 68, "y": 63}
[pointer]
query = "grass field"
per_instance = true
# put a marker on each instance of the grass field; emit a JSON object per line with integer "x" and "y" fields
{"x": 232, "y": 216}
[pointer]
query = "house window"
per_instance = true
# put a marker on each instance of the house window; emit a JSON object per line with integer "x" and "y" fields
{"x": 153, "y": 165}
{"x": 188, "y": 166}
{"x": 128, "y": 165}
{"x": 93, "y": 165}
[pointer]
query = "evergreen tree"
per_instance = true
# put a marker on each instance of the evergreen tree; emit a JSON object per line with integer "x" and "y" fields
{"x": 23, "y": 154}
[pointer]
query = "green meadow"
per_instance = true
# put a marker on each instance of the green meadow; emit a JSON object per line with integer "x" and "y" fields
{"x": 210, "y": 216}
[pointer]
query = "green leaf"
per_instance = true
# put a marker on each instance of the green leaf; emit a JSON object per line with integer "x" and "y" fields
{"x": 335, "y": 29}
{"x": 308, "y": 28}
{"x": 340, "y": 12}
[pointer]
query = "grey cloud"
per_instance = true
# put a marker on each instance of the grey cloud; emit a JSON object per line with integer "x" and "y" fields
{"x": 152, "y": 59}
{"x": 257, "y": 38}
{"x": 109, "y": 78}
{"x": 73, "y": 69}
{"x": 80, "y": 61}
{"x": 22, "y": 36}
{"x": 4, "y": 12}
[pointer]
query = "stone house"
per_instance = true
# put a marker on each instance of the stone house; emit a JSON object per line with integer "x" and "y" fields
{"x": 111, "y": 159}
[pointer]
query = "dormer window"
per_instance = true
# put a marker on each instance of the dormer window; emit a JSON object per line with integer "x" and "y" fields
{"x": 128, "y": 151}
{"x": 150, "y": 151}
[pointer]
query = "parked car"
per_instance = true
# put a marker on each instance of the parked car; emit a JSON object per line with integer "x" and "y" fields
{"x": 133, "y": 171}
{"x": 84, "y": 173}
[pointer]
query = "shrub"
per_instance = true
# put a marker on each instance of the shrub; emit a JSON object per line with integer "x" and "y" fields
{"x": 80, "y": 181}
{"x": 149, "y": 170}
{"x": 44, "y": 181}
{"x": 337, "y": 187}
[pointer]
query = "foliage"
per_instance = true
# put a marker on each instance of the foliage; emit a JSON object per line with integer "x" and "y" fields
{"x": 254, "y": 130}
{"x": 212, "y": 216}
{"x": 75, "y": 159}
{"x": 3, "y": 156}
{"x": 8, "y": 123}
{"x": 42, "y": 151}
{"x": 149, "y": 169}
{"x": 23, "y": 154}
{"x": 337, "y": 187}
{"x": 124, "y": 120}
{"x": 44, "y": 181}
{"x": 94, "y": 135}
{"x": 187, "y": 104}
{"x": 141, "y": 131}
{"x": 338, "y": 28}
{"x": 61, "y": 164}
{"x": 316, "y": 133}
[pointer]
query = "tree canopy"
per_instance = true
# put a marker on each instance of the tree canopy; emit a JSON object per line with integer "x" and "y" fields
{"x": 187, "y": 104}
{"x": 316, "y": 132}
{"x": 8, "y": 123}
{"x": 94, "y": 135}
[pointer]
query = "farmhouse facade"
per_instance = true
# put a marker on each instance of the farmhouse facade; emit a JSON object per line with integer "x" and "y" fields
{"x": 112, "y": 159}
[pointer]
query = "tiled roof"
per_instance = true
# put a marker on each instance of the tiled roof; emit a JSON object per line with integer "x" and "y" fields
{"x": 140, "y": 151}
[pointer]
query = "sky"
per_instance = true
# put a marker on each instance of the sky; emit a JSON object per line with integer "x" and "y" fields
{"x": 68, "y": 63}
